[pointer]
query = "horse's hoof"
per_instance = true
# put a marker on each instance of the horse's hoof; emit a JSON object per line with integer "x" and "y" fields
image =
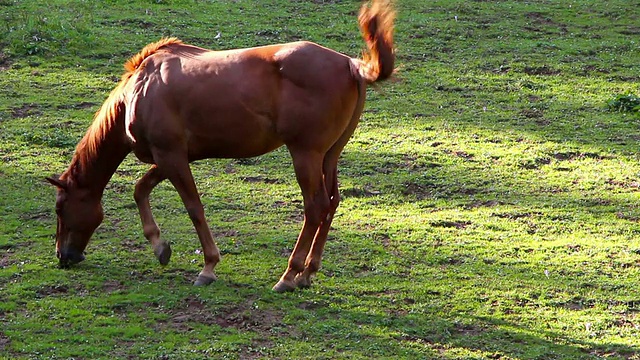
{"x": 163, "y": 253}
{"x": 203, "y": 280}
{"x": 284, "y": 286}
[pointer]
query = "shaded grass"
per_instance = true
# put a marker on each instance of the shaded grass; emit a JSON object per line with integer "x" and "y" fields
{"x": 489, "y": 197}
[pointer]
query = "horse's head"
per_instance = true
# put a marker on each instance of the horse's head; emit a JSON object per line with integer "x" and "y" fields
{"x": 79, "y": 214}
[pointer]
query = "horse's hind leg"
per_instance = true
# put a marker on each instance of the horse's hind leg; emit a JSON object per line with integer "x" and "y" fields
{"x": 144, "y": 186}
{"x": 308, "y": 168}
{"x": 314, "y": 258}
{"x": 175, "y": 166}
{"x": 330, "y": 171}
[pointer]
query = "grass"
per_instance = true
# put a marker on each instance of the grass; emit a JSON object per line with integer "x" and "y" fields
{"x": 490, "y": 203}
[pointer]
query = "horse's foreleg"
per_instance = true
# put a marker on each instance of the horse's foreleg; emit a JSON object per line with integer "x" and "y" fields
{"x": 308, "y": 168}
{"x": 176, "y": 168}
{"x": 144, "y": 186}
{"x": 314, "y": 259}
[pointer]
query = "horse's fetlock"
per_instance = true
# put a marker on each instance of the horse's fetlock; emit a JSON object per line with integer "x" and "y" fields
{"x": 151, "y": 231}
{"x": 313, "y": 266}
{"x": 296, "y": 265}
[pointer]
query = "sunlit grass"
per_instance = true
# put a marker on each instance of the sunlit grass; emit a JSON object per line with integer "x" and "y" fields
{"x": 489, "y": 195}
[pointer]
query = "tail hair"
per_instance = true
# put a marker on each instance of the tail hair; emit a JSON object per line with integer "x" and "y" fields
{"x": 376, "y": 21}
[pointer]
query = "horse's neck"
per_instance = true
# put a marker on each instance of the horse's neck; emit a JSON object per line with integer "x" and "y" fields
{"x": 93, "y": 166}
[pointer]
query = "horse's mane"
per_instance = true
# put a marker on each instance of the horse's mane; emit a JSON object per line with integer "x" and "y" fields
{"x": 147, "y": 51}
{"x": 113, "y": 108}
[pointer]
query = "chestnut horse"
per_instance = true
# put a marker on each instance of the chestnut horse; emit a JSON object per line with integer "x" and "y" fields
{"x": 177, "y": 103}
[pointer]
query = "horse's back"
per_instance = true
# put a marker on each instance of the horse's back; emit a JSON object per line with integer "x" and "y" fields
{"x": 239, "y": 103}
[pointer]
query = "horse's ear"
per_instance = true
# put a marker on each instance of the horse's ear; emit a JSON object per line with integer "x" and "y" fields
{"x": 56, "y": 182}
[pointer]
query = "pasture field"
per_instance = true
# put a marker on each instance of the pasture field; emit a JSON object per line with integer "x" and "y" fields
{"x": 490, "y": 196}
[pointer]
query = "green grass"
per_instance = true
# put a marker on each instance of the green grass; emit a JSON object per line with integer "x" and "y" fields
{"x": 490, "y": 196}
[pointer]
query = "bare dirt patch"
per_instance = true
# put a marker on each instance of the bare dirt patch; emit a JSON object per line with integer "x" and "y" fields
{"x": 462, "y": 154}
{"x": 533, "y": 113}
{"x": 26, "y": 110}
{"x": 630, "y": 30}
{"x": 575, "y": 155}
{"x": 540, "y": 22}
{"x": 245, "y": 316}
{"x": 312, "y": 305}
{"x": 321, "y": 1}
{"x": 486, "y": 203}
{"x": 541, "y": 70}
{"x": 540, "y": 18}
{"x": 357, "y": 192}
{"x": 78, "y": 106}
{"x": 261, "y": 179}
{"x": 451, "y": 224}
{"x": 5, "y": 259}
{"x": 135, "y": 23}
{"x": 515, "y": 215}
{"x": 420, "y": 191}
{"x": 37, "y": 215}
{"x": 5, "y": 64}
{"x": 110, "y": 286}
{"x": 5, "y": 341}
{"x": 135, "y": 245}
{"x": 191, "y": 311}
{"x": 468, "y": 329}
{"x": 52, "y": 290}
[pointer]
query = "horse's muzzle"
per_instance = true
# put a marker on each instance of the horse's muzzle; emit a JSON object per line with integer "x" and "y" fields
{"x": 69, "y": 257}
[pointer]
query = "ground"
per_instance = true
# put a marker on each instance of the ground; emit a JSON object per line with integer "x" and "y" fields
{"x": 489, "y": 194}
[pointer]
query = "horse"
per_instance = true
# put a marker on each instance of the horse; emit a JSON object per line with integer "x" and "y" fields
{"x": 178, "y": 103}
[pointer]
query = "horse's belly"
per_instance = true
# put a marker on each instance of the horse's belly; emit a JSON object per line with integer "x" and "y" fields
{"x": 226, "y": 144}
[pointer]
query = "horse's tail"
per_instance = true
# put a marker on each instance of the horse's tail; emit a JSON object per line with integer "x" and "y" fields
{"x": 376, "y": 24}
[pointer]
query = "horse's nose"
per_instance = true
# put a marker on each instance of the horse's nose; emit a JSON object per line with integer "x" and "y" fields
{"x": 69, "y": 257}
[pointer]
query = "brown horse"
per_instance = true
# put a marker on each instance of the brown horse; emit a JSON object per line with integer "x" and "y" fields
{"x": 178, "y": 103}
